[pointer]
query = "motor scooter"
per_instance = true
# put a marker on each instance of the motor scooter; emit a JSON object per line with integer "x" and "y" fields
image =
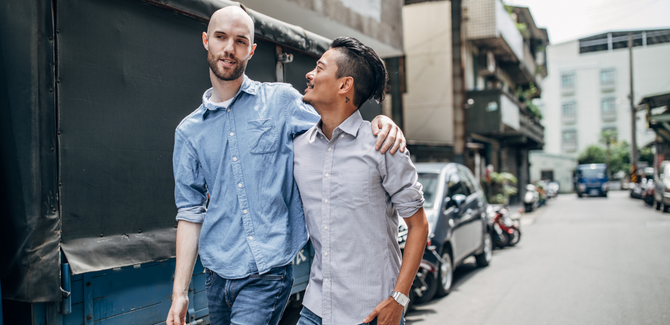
{"x": 531, "y": 199}
{"x": 425, "y": 282}
{"x": 505, "y": 231}
{"x": 552, "y": 189}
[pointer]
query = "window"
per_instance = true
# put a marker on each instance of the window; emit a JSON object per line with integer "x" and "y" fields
{"x": 568, "y": 80}
{"x": 608, "y": 108}
{"x": 570, "y": 140}
{"x": 607, "y": 77}
{"x": 569, "y": 109}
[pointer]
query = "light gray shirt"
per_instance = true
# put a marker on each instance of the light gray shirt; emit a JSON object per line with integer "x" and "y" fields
{"x": 352, "y": 196}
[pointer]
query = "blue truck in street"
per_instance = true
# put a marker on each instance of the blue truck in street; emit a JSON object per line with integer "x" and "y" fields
{"x": 592, "y": 180}
{"x": 91, "y": 92}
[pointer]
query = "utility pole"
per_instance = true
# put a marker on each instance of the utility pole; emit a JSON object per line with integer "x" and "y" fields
{"x": 458, "y": 77}
{"x": 633, "y": 116}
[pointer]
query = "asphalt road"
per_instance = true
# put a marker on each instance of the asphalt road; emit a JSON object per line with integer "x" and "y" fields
{"x": 579, "y": 261}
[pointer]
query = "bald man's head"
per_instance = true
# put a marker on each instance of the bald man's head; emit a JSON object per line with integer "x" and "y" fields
{"x": 232, "y": 14}
{"x": 229, "y": 42}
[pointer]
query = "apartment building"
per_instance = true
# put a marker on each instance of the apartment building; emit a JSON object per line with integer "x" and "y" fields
{"x": 376, "y": 23}
{"x": 472, "y": 69}
{"x": 588, "y": 86}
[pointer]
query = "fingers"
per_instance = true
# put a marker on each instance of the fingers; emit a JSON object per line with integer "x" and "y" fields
{"x": 372, "y": 316}
{"x": 390, "y": 139}
{"x": 375, "y": 125}
{"x": 400, "y": 142}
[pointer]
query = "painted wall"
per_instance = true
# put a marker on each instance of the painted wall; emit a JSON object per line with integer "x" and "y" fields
{"x": 562, "y": 166}
{"x": 428, "y": 103}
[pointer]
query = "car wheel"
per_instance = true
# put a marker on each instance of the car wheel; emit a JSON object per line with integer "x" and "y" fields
{"x": 485, "y": 257}
{"x": 514, "y": 237}
{"x": 445, "y": 275}
{"x": 658, "y": 205}
{"x": 664, "y": 207}
{"x": 431, "y": 284}
{"x": 579, "y": 194}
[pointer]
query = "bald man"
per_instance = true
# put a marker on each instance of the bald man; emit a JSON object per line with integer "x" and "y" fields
{"x": 237, "y": 148}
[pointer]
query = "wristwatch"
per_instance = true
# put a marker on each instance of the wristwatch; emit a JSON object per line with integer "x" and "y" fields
{"x": 400, "y": 298}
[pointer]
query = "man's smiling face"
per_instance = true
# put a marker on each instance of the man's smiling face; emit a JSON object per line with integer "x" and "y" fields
{"x": 229, "y": 43}
{"x": 322, "y": 82}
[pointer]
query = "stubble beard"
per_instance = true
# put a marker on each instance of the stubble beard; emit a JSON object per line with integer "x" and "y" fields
{"x": 226, "y": 74}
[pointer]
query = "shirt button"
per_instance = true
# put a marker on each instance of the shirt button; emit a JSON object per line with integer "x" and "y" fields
{"x": 239, "y": 185}
{"x": 251, "y": 238}
{"x": 244, "y": 211}
{"x": 325, "y": 253}
{"x": 231, "y": 134}
{"x": 327, "y": 174}
{"x": 234, "y": 158}
{"x": 325, "y": 227}
{"x": 342, "y": 136}
{"x": 325, "y": 280}
{"x": 325, "y": 200}
{"x": 228, "y": 110}
{"x": 330, "y": 149}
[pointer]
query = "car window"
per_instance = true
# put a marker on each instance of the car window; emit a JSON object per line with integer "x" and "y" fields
{"x": 456, "y": 186}
{"x": 468, "y": 180}
{"x": 429, "y": 182}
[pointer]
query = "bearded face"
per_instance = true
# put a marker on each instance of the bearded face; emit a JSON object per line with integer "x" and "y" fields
{"x": 225, "y": 66}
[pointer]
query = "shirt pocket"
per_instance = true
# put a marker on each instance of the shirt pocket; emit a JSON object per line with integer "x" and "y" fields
{"x": 262, "y": 136}
{"x": 354, "y": 185}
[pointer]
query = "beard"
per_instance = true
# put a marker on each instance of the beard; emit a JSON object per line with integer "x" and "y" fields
{"x": 226, "y": 74}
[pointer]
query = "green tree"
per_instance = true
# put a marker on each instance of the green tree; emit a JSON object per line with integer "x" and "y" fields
{"x": 608, "y": 138}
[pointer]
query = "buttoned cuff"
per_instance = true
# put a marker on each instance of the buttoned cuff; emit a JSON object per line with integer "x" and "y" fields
{"x": 194, "y": 214}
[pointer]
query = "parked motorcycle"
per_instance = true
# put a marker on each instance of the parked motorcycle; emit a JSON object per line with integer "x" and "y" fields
{"x": 505, "y": 231}
{"x": 424, "y": 286}
{"x": 531, "y": 199}
{"x": 552, "y": 189}
{"x": 648, "y": 192}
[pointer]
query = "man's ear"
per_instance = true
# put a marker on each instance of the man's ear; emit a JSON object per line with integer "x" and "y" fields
{"x": 205, "y": 41}
{"x": 346, "y": 85}
{"x": 253, "y": 50}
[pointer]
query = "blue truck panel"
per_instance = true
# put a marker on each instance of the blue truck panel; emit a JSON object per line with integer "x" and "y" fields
{"x": 141, "y": 294}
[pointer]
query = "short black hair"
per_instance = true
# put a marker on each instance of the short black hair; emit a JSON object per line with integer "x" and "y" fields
{"x": 364, "y": 65}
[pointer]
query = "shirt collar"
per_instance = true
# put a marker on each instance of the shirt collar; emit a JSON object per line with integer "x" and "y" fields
{"x": 349, "y": 126}
{"x": 248, "y": 86}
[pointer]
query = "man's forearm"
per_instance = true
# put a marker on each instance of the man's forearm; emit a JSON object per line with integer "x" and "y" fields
{"x": 415, "y": 245}
{"x": 188, "y": 235}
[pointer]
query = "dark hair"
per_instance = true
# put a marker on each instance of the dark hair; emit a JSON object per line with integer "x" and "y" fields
{"x": 364, "y": 65}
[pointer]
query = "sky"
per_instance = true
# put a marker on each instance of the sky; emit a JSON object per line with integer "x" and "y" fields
{"x": 572, "y": 19}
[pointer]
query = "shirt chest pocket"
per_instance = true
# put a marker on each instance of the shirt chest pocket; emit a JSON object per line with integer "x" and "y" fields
{"x": 354, "y": 186}
{"x": 262, "y": 136}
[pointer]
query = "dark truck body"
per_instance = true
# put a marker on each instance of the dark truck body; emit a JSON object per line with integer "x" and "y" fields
{"x": 91, "y": 92}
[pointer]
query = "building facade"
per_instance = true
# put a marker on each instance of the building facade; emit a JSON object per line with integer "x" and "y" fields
{"x": 472, "y": 69}
{"x": 588, "y": 86}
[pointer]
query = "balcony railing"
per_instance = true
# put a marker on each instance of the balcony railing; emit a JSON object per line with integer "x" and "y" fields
{"x": 495, "y": 113}
{"x": 490, "y": 26}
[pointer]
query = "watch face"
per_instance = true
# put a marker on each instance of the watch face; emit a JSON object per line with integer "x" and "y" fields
{"x": 400, "y": 298}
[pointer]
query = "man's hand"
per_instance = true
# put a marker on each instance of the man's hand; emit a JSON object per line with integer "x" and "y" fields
{"x": 385, "y": 129}
{"x": 177, "y": 314}
{"x": 388, "y": 312}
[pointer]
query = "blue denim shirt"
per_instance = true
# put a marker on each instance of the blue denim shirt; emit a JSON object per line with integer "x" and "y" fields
{"x": 242, "y": 155}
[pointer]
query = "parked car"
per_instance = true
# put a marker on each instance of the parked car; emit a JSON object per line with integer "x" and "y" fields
{"x": 456, "y": 210}
{"x": 662, "y": 186}
{"x": 592, "y": 180}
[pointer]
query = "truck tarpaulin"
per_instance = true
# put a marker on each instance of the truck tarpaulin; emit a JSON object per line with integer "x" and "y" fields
{"x": 91, "y": 92}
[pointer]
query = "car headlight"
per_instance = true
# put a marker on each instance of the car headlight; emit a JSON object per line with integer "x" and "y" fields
{"x": 581, "y": 187}
{"x": 605, "y": 186}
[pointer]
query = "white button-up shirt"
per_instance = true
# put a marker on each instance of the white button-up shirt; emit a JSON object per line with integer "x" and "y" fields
{"x": 352, "y": 195}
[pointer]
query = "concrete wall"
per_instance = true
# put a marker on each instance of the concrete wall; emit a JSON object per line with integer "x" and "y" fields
{"x": 651, "y": 75}
{"x": 562, "y": 166}
{"x": 428, "y": 103}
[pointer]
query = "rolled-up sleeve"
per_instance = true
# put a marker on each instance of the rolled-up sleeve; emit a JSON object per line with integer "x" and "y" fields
{"x": 400, "y": 181}
{"x": 190, "y": 191}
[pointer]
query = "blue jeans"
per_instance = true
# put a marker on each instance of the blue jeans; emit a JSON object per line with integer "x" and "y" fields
{"x": 254, "y": 300}
{"x": 307, "y": 317}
